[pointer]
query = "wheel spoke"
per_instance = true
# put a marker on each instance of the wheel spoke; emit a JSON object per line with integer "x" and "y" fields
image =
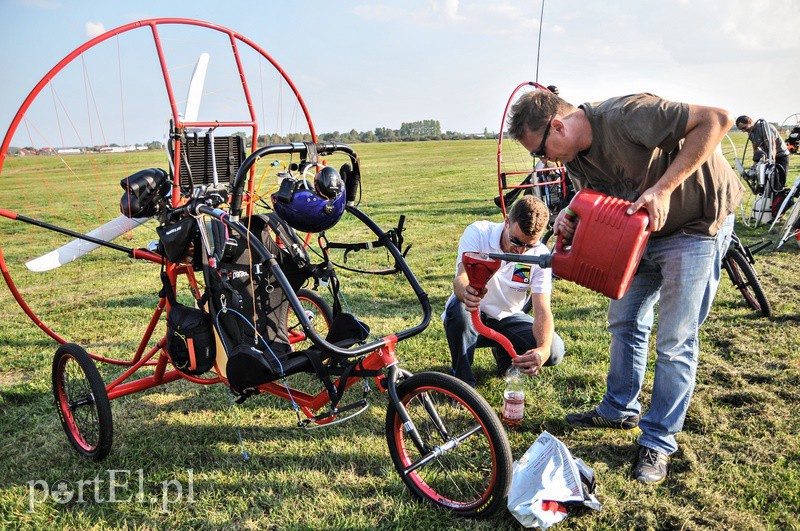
{"x": 452, "y": 464}
{"x": 465, "y": 461}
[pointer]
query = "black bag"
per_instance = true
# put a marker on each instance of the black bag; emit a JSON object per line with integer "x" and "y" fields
{"x": 176, "y": 238}
{"x": 248, "y": 367}
{"x": 191, "y": 344}
{"x": 190, "y": 339}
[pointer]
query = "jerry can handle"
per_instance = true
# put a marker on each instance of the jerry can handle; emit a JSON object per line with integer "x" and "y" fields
{"x": 560, "y": 247}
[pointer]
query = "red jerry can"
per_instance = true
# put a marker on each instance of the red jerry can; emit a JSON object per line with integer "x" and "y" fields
{"x": 607, "y": 245}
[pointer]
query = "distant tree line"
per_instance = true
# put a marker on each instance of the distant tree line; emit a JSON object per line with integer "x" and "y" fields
{"x": 422, "y": 130}
{"x": 48, "y": 150}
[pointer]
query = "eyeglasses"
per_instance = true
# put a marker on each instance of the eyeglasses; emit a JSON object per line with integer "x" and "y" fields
{"x": 540, "y": 151}
{"x": 514, "y": 241}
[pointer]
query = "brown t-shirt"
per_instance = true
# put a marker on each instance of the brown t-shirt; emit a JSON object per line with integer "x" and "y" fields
{"x": 634, "y": 139}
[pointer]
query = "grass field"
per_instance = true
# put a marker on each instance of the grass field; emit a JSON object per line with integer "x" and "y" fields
{"x": 738, "y": 466}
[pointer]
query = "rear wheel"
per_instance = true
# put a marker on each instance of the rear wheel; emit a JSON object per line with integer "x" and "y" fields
{"x": 744, "y": 277}
{"x": 318, "y": 312}
{"x": 464, "y": 464}
{"x": 82, "y": 402}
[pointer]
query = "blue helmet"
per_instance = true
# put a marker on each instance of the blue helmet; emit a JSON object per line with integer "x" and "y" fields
{"x": 313, "y": 210}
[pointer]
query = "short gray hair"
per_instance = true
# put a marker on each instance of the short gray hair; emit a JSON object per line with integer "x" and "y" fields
{"x": 532, "y": 111}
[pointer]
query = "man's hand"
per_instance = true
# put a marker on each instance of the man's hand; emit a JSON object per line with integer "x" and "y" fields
{"x": 472, "y": 298}
{"x": 564, "y": 225}
{"x": 530, "y": 362}
{"x": 656, "y": 201}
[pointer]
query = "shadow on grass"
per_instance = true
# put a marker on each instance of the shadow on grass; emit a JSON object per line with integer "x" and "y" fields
{"x": 288, "y": 470}
{"x": 611, "y": 454}
{"x": 148, "y": 301}
{"x": 21, "y": 394}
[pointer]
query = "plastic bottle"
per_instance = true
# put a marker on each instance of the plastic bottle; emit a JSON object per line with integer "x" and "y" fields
{"x": 514, "y": 397}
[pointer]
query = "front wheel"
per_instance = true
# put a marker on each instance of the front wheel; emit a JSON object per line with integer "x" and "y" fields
{"x": 744, "y": 277}
{"x": 464, "y": 463}
{"x": 82, "y": 402}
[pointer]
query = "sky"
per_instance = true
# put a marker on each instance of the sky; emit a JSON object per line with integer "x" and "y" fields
{"x": 373, "y": 63}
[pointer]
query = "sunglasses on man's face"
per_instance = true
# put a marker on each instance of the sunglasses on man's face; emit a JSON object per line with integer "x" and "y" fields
{"x": 540, "y": 152}
{"x": 513, "y": 240}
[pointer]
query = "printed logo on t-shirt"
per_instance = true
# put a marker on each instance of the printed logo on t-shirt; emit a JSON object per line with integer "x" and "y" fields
{"x": 522, "y": 273}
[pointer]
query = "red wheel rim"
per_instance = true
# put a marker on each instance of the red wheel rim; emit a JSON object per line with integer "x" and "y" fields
{"x": 64, "y": 408}
{"x": 427, "y": 490}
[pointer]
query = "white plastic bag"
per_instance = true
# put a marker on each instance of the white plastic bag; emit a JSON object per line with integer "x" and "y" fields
{"x": 543, "y": 479}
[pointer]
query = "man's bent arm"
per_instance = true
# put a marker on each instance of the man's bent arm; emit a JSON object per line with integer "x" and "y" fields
{"x": 543, "y": 330}
{"x": 705, "y": 129}
{"x": 464, "y": 292}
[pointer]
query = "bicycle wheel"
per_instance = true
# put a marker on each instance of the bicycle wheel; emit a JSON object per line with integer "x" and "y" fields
{"x": 318, "y": 312}
{"x": 790, "y": 228}
{"x": 744, "y": 277}
{"x": 464, "y": 464}
{"x": 82, "y": 402}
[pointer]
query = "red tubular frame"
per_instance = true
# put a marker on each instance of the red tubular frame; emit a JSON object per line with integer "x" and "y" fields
{"x": 501, "y": 176}
{"x": 383, "y": 357}
{"x": 140, "y": 359}
{"x": 378, "y": 359}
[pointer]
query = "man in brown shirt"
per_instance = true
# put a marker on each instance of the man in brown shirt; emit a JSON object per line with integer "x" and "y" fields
{"x": 661, "y": 156}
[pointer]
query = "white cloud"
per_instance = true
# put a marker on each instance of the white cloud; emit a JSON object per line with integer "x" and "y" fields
{"x": 509, "y": 18}
{"x": 448, "y": 9}
{"x": 93, "y": 29}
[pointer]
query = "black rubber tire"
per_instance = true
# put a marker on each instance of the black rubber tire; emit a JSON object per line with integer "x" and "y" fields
{"x": 744, "y": 277}
{"x": 471, "y": 479}
{"x": 318, "y": 306}
{"x": 546, "y": 238}
{"x": 82, "y": 402}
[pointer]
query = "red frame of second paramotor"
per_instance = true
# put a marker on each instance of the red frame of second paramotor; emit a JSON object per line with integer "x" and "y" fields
{"x": 501, "y": 175}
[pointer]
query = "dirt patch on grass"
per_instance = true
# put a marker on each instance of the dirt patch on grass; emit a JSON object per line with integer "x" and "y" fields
{"x": 9, "y": 379}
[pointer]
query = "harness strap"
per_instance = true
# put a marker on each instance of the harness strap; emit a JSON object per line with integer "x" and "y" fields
{"x": 322, "y": 372}
{"x": 395, "y": 235}
{"x": 167, "y": 290}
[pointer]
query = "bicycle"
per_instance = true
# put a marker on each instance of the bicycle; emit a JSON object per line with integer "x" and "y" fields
{"x": 739, "y": 263}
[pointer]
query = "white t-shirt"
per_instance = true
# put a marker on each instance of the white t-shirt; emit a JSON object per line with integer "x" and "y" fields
{"x": 508, "y": 288}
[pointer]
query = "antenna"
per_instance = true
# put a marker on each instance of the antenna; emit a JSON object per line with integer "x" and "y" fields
{"x": 539, "y": 45}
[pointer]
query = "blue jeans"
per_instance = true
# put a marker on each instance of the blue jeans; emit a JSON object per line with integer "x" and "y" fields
{"x": 681, "y": 272}
{"x": 463, "y": 340}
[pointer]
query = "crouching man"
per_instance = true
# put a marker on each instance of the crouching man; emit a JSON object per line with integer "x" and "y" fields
{"x": 502, "y": 300}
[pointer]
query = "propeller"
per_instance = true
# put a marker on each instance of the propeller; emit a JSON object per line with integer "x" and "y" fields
{"x": 196, "y": 89}
{"x": 121, "y": 224}
{"x": 78, "y": 247}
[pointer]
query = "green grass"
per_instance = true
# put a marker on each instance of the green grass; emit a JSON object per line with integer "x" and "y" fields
{"x": 738, "y": 466}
